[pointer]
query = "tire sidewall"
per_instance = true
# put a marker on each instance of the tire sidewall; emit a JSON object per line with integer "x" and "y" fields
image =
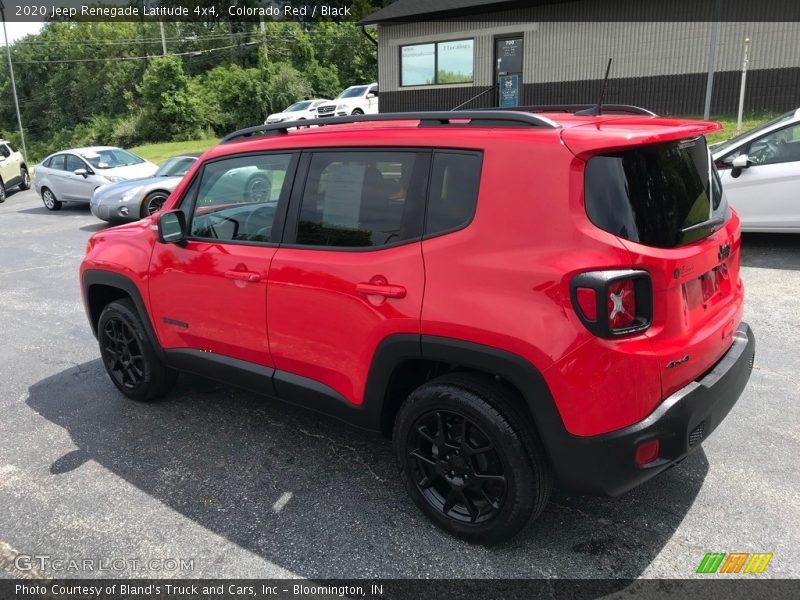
{"x": 517, "y": 507}
{"x": 2, "y": 192}
{"x": 123, "y": 311}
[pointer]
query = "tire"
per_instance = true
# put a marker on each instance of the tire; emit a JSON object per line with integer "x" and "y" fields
{"x": 152, "y": 203}
{"x": 357, "y": 111}
{"x": 128, "y": 356}
{"x": 495, "y": 483}
{"x": 2, "y": 192}
{"x": 26, "y": 179}
{"x": 258, "y": 188}
{"x": 49, "y": 199}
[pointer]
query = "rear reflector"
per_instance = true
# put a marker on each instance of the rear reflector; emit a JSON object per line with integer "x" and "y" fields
{"x": 621, "y": 299}
{"x": 647, "y": 452}
{"x": 587, "y": 302}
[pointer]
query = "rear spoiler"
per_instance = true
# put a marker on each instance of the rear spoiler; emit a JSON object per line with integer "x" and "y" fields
{"x": 619, "y": 134}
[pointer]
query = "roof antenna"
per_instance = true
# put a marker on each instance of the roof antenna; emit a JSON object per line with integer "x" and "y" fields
{"x": 595, "y": 111}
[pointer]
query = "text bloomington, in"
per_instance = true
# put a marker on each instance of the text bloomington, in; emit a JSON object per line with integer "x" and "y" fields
{"x": 113, "y": 12}
{"x": 232, "y": 589}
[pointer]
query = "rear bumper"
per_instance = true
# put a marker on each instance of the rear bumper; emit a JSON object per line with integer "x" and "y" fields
{"x": 605, "y": 464}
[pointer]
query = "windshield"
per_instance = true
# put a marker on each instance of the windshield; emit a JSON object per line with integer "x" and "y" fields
{"x": 353, "y": 92}
{"x": 298, "y": 106}
{"x": 110, "y": 158}
{"x": 653, "y": 193}
{"x": 175, "y": 167}
{"x": 735, "y": 140}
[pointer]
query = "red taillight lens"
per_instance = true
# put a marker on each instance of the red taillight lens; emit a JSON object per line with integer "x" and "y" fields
{"x": 587, "y": 302}
{"x": 621, "y": 301}
{"x": 647, "y": 452}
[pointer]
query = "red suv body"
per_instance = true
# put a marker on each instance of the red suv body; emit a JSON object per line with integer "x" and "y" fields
{"x": 549, "y": 294}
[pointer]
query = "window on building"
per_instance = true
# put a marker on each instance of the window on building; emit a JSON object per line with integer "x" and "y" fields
{"x": 437, "y": 63}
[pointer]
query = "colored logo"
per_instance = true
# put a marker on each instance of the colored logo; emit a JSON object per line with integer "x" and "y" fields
{"x": 734, "y": 562}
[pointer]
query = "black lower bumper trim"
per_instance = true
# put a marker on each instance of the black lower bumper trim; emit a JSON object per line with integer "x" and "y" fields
{"x": 605, "y": 464}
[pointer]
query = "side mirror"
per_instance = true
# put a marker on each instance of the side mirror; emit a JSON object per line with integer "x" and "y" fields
{"x": 172, "y": 227}
{"x": 370, "y": 96}
{"x": 740, "y": 162}
{"x": 82, "y": 172}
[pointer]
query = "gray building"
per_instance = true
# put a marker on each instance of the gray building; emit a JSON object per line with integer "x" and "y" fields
{"x": 439, "y": 54}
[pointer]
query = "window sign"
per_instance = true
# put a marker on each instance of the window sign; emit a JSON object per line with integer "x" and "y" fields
{"x": 509, "y": 90}
{"x": 454, "y": 62}
{"x": 418, "y": 64}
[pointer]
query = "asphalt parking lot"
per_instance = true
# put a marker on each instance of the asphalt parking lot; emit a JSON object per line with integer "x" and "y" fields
{"x": 249, "y": 488}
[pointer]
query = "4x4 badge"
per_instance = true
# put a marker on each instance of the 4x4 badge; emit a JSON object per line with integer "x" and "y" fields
{"x": 724, "y": 251}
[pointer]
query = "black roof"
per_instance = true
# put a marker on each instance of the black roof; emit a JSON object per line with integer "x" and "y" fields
{"x": 429, "y": 10}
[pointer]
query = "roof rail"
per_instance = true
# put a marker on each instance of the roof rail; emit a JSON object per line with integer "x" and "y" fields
{"x": 612, "y": 109}
{"x": 479, "y": 118}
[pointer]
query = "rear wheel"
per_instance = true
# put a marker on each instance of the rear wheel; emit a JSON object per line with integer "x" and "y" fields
{"x": 50, "y": 201}
{"x": 25, "y": 184}
{"x": 153, "y": 203}
{"x": 470, "y": 458}
{"x": 2, "y": 192}
{"x": 128, "y": 356}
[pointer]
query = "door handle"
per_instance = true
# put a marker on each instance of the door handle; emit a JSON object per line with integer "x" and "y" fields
{"x": 381, "y": 289}
{"x": 243, "y": 276}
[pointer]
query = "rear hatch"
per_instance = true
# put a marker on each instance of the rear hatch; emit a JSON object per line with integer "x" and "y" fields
{"x": 664, "y": 201}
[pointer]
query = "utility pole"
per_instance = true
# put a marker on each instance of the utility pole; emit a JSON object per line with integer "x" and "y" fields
{"x": 712, "y": 60}
{"x": 13, "y": 82}
{"x": 163, "y": 39}
{"x": 744, "y": 82}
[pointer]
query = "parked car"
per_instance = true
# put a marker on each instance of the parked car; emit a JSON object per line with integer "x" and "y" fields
{"x": 355, "y": 100}
{"x": 299, "y": 111}
{"x": 13, "y": 170}
{"x": 514, "y": 298}
{"x": 760, "y": 171}
{"x": 74, "y": 175}
{"x": 135, "y": 199}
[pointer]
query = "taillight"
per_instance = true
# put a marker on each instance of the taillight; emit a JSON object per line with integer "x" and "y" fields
{"x": 612, "y": 303}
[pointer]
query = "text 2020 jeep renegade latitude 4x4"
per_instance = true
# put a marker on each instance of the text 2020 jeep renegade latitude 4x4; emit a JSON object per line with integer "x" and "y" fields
{"x": 516, "y": 298}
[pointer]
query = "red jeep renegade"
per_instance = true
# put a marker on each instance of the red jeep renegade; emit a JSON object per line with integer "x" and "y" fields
{"x": 516, "y": 297}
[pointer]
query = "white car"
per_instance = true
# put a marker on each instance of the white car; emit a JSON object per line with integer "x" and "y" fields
{"x": 355, "y": 100}
{"x": 299, "y": 111}
{"x": 13, "y": 170}
{"x": 74, "y": 175}
{"x": 760, "y": 172}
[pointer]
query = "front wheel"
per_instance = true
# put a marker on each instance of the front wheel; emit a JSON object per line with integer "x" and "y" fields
{"x": 153, "y": 203}
{"x": 2, "y": 192}
{"x": 25, "y": 184}
{"x": 128, "y": 356}
{"x": 357, "y": 111}
{"x": 470, "y": 457}
{"x": 49, "y": 199}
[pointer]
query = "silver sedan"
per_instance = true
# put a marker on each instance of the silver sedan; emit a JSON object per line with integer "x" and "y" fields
{"x": 137, "y": 198}
{"x": 74, "y": 175}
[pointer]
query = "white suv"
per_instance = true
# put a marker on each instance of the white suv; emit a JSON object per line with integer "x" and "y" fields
{"x": 13, "y": 170}
{"x": 355, "y": 100}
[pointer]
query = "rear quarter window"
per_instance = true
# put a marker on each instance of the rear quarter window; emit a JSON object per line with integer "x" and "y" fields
{"x": 453, "y": 193}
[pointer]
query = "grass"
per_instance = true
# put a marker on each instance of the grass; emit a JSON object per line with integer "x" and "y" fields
{"x": 729, "y": 124}
{"x": 158, "y": 153}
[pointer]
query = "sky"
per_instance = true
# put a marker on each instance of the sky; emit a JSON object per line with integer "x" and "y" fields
{"x": 20, "y": 30}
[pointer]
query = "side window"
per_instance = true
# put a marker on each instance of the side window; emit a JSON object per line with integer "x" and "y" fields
{"x": 777, "y": 147}
{"x": 237, "y": 198}
{"x": 57, "y": 162}
{"x": 73, "y": 163}
{"x": 362, "y": 198}
{"x": 11, "y": 146}
{"x": 4, "y": 151}
{"x": 453, "y": 194}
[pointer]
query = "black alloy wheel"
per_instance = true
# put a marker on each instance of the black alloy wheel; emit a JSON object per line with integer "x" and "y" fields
{"x": 122, "y": 354}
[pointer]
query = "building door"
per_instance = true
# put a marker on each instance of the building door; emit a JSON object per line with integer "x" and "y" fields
{"x": 508, "y": 70}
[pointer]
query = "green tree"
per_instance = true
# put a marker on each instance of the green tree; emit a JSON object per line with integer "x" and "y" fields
{"x": 171, "y": 106}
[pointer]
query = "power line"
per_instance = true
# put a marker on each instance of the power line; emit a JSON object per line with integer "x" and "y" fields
{"x": 187, "y": 38}
{"x": 115, "y": 58}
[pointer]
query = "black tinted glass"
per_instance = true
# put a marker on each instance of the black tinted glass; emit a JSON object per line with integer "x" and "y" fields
{"x": 355, "y": 199}
{"x": 650, "y": 194}
{"x": 453, "y": 191}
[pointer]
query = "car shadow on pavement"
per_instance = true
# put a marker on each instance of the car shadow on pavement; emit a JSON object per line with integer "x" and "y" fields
{"x": 771, "y": 250}
{"x": 320, "y": 499}
{"x": 67, "y": 209}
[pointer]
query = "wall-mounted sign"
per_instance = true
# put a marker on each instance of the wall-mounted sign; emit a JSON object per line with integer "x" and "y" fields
{"x": 509, "y": 90}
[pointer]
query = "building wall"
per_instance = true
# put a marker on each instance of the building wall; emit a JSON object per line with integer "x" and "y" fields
{"x": 659, "y": 65}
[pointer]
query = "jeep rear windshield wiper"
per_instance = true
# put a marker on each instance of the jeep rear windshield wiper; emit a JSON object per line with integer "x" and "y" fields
{"x": 713, "y": 223}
